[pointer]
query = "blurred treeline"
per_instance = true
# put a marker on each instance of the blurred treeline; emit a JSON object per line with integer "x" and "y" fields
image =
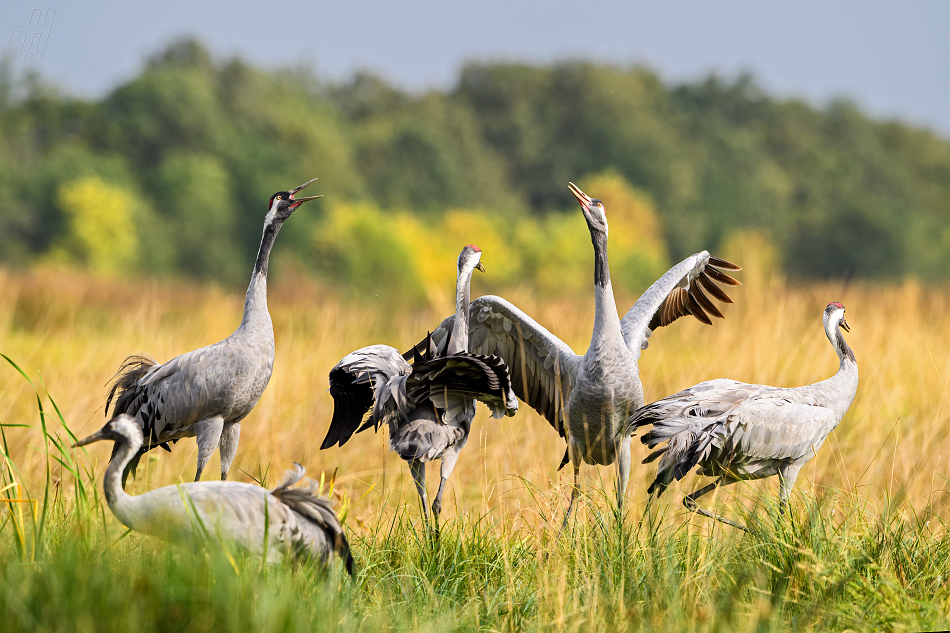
{"x": 170, "y": 173}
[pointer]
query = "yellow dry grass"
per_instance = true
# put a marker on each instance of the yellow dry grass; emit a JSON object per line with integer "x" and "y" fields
{"x": 75, "y": 330}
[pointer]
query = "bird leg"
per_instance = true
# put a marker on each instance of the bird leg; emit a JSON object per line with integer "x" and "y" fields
{"x": 574, "y": 492}
{"x": 623, "y": 470}
{"x": 690, "y": 502}
{"x": 208, "y": 435}
{"x": 449, "y": 458}
{"x": 227, "y": 447}
{"x": 787, "y": 479}
{"x": 418, "y": 470}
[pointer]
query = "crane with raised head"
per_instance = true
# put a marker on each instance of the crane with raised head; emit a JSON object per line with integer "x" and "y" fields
{"x": 735, "y": 431}
{"x": 284, "y": 523}
{"x": 429, "y": 405}
{"x": 589, "y": 398}
{"x": 206, "y": 393}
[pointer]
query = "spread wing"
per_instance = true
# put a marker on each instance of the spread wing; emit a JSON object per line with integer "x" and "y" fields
{"x": 481, "y": 377}
{"x": 680, "y": 292}
{"x": 362, "y": 378}
{"x": 541, "y": 366}
{"x": 379, "y": 378}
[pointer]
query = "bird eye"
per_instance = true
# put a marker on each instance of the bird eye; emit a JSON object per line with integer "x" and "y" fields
{"x": 280, "y": 197}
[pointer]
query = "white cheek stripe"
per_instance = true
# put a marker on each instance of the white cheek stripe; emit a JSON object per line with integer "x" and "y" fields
{"x": 271, "y": 214}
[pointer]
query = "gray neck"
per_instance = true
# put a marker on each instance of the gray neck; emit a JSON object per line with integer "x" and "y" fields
{"x": 255, "y": 302}
{"x": 838, "y": 391}
{"x": 459, "y": 341}
{"x": 606, "y": 319}
{"x": 120, "y": 502}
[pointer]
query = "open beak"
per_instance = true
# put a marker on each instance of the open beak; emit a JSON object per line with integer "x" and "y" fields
{"x": 95, "y": 437}
{"x": 479, "y": 266}
{"x": 582, "y": 197}
{"x": 300, "y": 201}
{"x": 844, "y": 325}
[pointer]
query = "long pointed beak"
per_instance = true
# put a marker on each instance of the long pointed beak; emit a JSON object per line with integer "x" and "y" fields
{"x": 299, "y": 201}
{"x": 844, "y": 325}
{"x": 95, "y": 437}
{"x": 479, "y": 266}
{"x": 293, "y": 191}
{"x": 582, "y": 197}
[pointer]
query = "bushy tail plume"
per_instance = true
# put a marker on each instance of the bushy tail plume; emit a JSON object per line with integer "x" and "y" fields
{"x": 125, "y": 382}
{"x": 314, "y": 510}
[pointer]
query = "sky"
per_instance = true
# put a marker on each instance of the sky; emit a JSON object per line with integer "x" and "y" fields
{"x": 893, "y": 59}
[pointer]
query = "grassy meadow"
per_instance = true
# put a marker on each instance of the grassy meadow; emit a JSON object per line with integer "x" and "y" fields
{"x": 865, "y": 546}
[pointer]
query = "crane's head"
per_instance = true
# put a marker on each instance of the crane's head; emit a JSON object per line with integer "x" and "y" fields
{"x": 594, "y": 211}
{"x": 283, "y": 203}
{"x": 470, "y": 259}
{"x": 120, "y": 428}
{"x": 834, "y": 316}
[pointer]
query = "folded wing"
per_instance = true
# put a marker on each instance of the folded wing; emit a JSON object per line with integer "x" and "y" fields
{"x": 748, "y": 430}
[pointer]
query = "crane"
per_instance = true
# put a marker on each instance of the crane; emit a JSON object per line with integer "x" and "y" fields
{"x": 279, "y": 524}
{"x": 588, "y": 399}
{"x": 429, "y": 405}
{"x": 206, "y": 393}
{"x": 735, "y": 431}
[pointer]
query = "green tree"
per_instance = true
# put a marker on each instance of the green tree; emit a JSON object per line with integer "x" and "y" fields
{"x": 198, "y": 214}
{"x": 100, "y": 231}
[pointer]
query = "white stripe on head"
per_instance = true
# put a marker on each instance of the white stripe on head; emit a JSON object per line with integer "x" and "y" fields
{"x": 271, "y": 213}
{"x": 833, "y": 317}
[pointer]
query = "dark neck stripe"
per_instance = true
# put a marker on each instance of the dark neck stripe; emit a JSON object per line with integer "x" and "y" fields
{"x": 843, "y": 346}
{"x": 601, "y": 268}
{"x": 267, "y": 243}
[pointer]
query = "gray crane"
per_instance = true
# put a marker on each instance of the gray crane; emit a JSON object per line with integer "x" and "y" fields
{"x": 206, "y": 393}
{"x": 588, "y": 399}
{"x": 283, "y": 523}
{"x": 734, "y": 431}
{"x": 429, "y": 405}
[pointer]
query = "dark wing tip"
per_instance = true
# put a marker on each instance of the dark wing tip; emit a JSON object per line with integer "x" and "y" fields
{"x": 712, "y": 288}
{"x": 695, "y": 309}
{"x": 708, "y": 306}
{"x": 724, "y": 264}
{"x": 351, "y": 402}
{"x": 565, "y": 459}
{"x": 652, "y": 457}
{"x": 721, "y": 277}
{"x": 347, "y": 555}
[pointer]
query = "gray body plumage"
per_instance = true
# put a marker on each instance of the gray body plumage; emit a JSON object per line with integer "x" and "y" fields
{"x": 428, "y": 405}
{"x": 588, "y": 399}
{"x": 736, "y": 431}
{"x": 282, "y": 523}
{"x": 206, "y": 393}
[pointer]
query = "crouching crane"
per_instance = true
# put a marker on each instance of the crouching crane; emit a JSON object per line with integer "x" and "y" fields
{"x": 734, "y": 431}
{"x": 282, "y": 523}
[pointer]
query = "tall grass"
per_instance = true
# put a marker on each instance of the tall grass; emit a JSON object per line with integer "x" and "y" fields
{"x": 865, "y": 544}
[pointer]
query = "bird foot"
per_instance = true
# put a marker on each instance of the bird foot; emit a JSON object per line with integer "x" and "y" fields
{"x": 692, "y": 506}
